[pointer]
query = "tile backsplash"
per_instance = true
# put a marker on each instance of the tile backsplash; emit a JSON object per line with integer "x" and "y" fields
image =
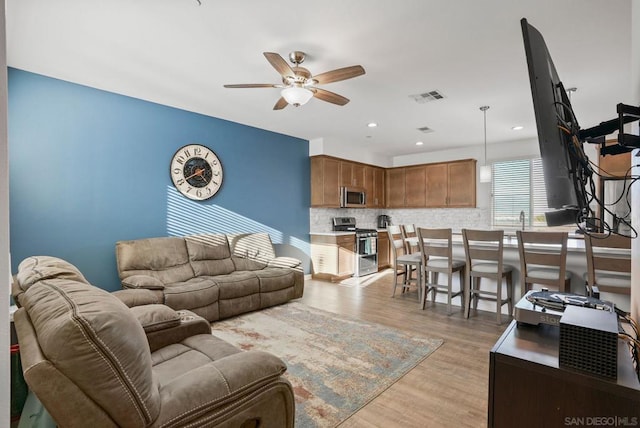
{"x": 455, "y": 218}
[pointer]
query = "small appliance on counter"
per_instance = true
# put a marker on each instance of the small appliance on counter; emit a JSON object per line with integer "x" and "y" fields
{"x": 383, "y": 221}
{"x": 366, "y": 251}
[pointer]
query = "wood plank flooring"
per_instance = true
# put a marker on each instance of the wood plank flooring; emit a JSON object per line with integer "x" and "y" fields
{"x": 450, "y": 387}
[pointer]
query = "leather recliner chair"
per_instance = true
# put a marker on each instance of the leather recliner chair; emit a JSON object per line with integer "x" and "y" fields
{"x": 90, "y": 360}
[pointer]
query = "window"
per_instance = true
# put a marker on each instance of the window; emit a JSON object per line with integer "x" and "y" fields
{"x": 518, "y": 186}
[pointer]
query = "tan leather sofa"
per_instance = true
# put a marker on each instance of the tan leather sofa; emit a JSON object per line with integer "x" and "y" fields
{"x": 214, "y": 275}
{"x": 85, "y": 356}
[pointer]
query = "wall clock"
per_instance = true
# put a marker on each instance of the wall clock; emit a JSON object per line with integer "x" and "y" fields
{"x": 196, "y": 172}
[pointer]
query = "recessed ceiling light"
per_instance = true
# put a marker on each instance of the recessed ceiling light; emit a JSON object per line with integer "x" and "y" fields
{"x": 372, "y": 124}
{"x": 419, "y": 143}
{"x": 517, "y": 128}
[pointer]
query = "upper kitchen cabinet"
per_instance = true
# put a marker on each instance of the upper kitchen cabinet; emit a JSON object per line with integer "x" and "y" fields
{"x": 461, "y": 186}
{"x": 395, "y": 187}
{"x": 351, "y": 174}
{"x": 329, "y": 174}
{"x": 415, "y": 184}
{"x": 451, "y": 184}
{"x": 437, "y": 177}
{"x": 436, "y": 185}
{"x": 325, "y": 182}
{"x": 374, "y": 186}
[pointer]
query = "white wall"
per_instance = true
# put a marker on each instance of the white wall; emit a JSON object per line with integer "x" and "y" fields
{"x": 5, "y": 266}
{"x": 635, "y": 219}
{"x": 327, "y": 146}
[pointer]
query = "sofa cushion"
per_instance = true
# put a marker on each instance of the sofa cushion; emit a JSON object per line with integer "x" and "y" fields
{"x": 36, "y": 268}
{"x": 163, "y": 258}
{"x": 191, "y": 294}
{"x": 237, "y": 284}
{"x": 94, "y": 340}
{"x": 251, "y": 251}
{"x": 176, "y": 359}
{"x": 209, "y": 254}
{"x": 142, "y": 282}
{"x": 272, "y": 279}
{"x": 156, "y": 317}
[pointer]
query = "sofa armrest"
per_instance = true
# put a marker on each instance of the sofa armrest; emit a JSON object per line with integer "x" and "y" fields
{"x": 284, "y": 262}
{"x": 142, "y": 281}
{"x": 163, "y": 326}
{"x": 138, "y": 297}
{"x": 220, "y": 384}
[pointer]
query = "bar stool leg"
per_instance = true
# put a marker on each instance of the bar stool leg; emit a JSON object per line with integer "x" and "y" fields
{"x": 499, "y": 300}
{"x": 510, "y": 292}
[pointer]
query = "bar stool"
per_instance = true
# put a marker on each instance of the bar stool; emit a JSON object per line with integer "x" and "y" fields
{"x": 543, "y": 260}
{"x": 436, "y": 250}
{"x": 403, "y": 264}
{"x": 410, "y": 237}
{"x": 484, "y": 251}
{"x": 606, "y": 271}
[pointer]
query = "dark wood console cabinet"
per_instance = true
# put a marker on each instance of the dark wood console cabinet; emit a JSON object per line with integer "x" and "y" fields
{"x": 528, "y": 389}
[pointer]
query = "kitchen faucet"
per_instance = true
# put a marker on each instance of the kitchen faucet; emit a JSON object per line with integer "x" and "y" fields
{"x": 522, "y": 219}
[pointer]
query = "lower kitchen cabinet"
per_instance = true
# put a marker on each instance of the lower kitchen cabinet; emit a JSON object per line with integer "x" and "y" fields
{"x": 333, "y": 256}
{"x": 384, "y": 251}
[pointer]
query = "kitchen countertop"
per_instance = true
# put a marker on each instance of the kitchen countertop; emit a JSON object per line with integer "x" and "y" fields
{"x": 331, "y": 233}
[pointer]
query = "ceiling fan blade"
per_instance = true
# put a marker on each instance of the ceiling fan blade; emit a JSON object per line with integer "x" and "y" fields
{"x": 279, "y": 64}
{"x": 330, "y": 97}
{"x": 339, "y": 74}
{"x": 280, "y": 104}
{"x": 253, "y": 85}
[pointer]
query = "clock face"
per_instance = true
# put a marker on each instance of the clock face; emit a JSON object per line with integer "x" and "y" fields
{"x": 196, "y": 172}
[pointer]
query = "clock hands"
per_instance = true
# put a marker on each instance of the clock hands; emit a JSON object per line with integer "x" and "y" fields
{"x": 199, "y": 172}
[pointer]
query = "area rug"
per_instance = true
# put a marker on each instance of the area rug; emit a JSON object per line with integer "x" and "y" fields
{"x": 336, "y": 364}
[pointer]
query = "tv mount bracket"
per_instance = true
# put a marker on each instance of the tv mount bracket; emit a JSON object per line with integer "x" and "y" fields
{"x": 626, "y": 142}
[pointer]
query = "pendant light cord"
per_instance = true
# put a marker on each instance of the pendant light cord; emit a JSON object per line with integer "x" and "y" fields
{"x": 484, "y": 111}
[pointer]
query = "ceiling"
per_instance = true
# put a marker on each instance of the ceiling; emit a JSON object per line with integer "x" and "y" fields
{"x": 180, "y": 53}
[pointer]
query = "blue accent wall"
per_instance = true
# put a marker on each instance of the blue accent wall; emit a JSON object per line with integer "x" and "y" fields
{"x": 89, "y": 168}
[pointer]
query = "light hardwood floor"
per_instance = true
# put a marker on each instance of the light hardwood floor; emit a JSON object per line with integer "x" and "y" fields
{"x": 450, "y": 387}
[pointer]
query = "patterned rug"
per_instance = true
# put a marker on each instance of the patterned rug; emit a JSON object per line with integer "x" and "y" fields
{"x": 335, "y": 364}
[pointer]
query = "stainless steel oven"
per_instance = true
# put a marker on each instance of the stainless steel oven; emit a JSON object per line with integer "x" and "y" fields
{"x": 366, "y": 252}
{"x": 366, "y": 261}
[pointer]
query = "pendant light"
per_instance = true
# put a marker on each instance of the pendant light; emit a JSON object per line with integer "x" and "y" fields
{"x": 485, "y": 170}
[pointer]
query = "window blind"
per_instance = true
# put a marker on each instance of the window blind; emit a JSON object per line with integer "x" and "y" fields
{"x": 518, "y": 186}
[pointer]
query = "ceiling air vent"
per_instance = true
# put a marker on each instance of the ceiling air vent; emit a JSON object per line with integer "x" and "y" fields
{"x": 427, "y": 97}
{"x": 426, "y": 130}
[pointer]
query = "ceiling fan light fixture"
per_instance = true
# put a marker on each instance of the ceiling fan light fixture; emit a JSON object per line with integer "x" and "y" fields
{"x": 296, "y": 96}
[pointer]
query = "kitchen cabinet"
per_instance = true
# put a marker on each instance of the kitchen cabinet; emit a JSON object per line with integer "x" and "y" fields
{"x": 374, "y": 186}
{"x": 451, "y": 184}
{"x": 461, "y": 185}
{"x": 379, "y": 187}
{"x": 325, "y": 186}
{"x": 612, "y": 180}
{"x": 333, "y": 256}
{"x": 351, "y": 174}
{"x": 384, "y": 251}
{"x": 436, "y": 185}
{"x": 415, "y": 186}
{"x": 395, "y": 187}
{"x": 614, "y": 165}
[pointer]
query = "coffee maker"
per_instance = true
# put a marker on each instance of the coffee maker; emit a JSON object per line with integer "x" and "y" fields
{"x": 383, "y": 221}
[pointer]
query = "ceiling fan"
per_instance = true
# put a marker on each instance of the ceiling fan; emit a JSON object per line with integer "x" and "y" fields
{"x": 298, "y": 84}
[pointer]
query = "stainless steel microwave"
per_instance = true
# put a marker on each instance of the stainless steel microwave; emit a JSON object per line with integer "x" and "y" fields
{"x": 352, "y": 197}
